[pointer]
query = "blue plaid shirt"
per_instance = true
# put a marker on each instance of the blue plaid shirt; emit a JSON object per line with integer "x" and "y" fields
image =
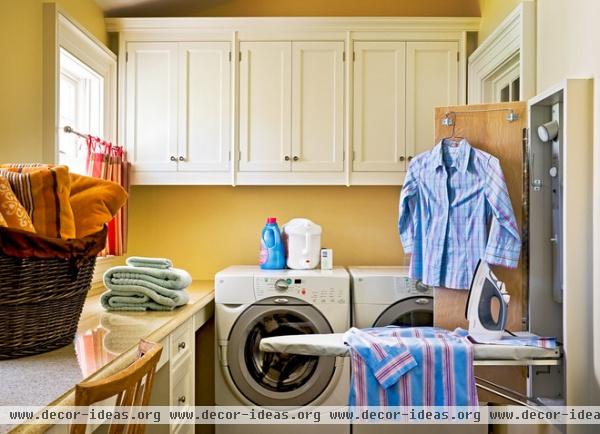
{"x": 455, "y": 210}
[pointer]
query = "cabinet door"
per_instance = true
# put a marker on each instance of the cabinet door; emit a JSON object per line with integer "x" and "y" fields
{"x": 265, "y": 106}
{"x": 204, "y": 106}
{"x": 317, "y": 106}
{"x": 151, "y": 107}
{"x": 379, "y": 106}
{"x": 431, "y": 81}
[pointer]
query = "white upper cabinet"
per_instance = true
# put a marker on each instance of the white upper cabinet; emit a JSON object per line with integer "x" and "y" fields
{"x": 284, "y": 101}
{"x": 265, "y": 106}
{"x": 178, "y": 111}
{"x": 317, "y": 106}
{"x": 151, "y": 105}
{"x": 204, "y": 106}
{"x": 379, "y": 106}
{"x": 431, "y": 81}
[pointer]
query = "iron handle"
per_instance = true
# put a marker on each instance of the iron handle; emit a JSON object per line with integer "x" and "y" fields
{"x": 402, "y": 158}
{"x": 173, "y": 158}
{"x": 181, "y": 345}
{"x": 181, "y": 399}
{"x": 296, "y": 158}
{"x": 181, "y": 158}
{"x": 286, "y": 158}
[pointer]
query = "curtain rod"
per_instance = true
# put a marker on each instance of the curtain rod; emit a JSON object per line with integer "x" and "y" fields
{"x": 69, "y": 129}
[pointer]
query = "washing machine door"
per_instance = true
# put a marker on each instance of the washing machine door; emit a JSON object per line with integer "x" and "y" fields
{"x": 409, "y": 312}
{"x": 270, "y": 379}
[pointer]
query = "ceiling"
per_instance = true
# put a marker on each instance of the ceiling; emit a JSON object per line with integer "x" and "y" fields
{"x": 249, "y": 8}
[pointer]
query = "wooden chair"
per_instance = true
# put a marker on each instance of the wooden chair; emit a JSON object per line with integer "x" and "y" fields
{"x": 132, "y": 387}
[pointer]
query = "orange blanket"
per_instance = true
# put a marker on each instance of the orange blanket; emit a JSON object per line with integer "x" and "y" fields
{"x": 94, "y": 202}
{"x": 62, "y": 204}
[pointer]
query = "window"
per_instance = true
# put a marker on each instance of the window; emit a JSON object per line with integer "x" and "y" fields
{"x": 81, "y": 100}
{"x": 86, "y": 73}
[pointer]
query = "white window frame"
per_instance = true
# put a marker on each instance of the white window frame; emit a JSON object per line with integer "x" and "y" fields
{"x": 59, "y": 30}
{"x": 88, "y": 108}
{"x": 62, "y": 31}
{"x": 85, "y": 47}
{"x": 514, "y": 37}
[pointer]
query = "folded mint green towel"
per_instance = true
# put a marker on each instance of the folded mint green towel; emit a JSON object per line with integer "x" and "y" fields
{"x": 140, "y": 288}
{"x": 141, "y": 261}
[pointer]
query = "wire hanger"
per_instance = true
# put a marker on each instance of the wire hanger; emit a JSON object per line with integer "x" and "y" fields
{"x": 453, "y": 139}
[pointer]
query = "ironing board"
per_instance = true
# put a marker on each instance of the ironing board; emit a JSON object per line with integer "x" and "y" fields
{"x": 332, "y": 344}
{"x": 485, "y": 354}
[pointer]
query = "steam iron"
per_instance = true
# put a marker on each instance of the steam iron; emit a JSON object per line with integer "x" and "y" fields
{"x": 485, "y": 287}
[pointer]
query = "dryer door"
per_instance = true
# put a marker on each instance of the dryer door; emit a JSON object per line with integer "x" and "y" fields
{"x": 409, "y": 312}
{"x": 270, "y": 379}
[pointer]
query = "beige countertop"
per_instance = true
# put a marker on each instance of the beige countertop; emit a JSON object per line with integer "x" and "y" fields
{"x": 105, "y": 343}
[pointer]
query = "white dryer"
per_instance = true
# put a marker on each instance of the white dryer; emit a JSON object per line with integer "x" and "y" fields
{"x": 387, "y": 296}
{"x": 251, "y": 304}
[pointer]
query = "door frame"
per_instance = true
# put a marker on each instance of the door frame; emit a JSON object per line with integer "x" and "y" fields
{"x": 515, "y": 36}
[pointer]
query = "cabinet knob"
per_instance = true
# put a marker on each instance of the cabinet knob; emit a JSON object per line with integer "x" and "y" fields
{"x": 296, "y": 158}
{"x": 181, "y": 158}
{"x": 286, "y": 158}
{"x": 401, "y": 158}
{"x": 410, "y": 157}
{"x": 181, "y": 399}
{"x": 181, "y": 345}
{"x": 173, "y": 158}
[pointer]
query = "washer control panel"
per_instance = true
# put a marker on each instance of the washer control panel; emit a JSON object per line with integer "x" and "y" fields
{"x": 316, "y": 290}
{"x": 405, "y": 286}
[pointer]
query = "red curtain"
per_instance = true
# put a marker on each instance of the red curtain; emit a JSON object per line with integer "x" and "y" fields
{"x": 109, "y": 162}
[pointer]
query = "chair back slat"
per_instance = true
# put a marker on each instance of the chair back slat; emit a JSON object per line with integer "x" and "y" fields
{"x": 132, "y": 388}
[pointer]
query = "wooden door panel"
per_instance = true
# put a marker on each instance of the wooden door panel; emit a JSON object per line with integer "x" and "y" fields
{"x": 485, "y": 127}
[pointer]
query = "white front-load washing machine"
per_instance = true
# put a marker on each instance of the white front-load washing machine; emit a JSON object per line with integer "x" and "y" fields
{"x": 251, "y": 304}
{"x": 384, "y": 296}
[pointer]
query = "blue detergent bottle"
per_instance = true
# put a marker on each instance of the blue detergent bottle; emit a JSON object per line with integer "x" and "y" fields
{"x": 272, "y": 253}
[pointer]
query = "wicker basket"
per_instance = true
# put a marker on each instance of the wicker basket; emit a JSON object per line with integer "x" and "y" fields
{"x": 41, "y": 298}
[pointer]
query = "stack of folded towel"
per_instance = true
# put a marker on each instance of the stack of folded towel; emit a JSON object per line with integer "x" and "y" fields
{"x": 145, "y": 284}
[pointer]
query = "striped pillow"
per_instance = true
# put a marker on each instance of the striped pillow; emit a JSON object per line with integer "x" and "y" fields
{"x": 44, "y": 193}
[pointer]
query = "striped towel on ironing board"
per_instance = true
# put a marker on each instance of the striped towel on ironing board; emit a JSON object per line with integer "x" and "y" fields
{"x": 426, "y": 366}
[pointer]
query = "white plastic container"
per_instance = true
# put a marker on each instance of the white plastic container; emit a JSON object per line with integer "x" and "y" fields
{"x": 303, "y": 240}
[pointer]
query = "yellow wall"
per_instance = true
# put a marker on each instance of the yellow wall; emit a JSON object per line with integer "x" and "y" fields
{"x": 21, "y": 72}
{"x": 241, "y": 8}
{"x": 204, "y": 229}
{"x": 492, "y": 14}
{"x": 87, "y": 13}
